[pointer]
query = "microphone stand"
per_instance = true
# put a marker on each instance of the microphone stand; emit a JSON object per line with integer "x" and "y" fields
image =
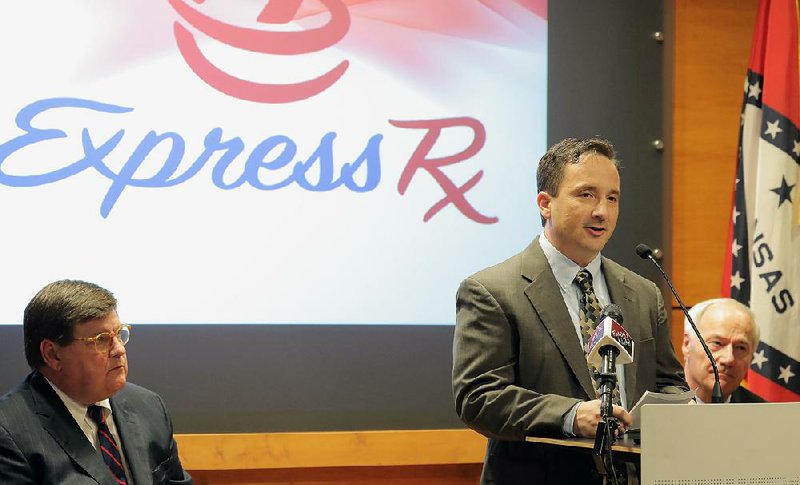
{"x": 645, "y": 252}
{"x": 607, "y": 427}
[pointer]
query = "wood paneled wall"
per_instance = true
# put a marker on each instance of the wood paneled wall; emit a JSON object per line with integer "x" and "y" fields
{"x": 711, "y": 49}
{"x": 375, "y": 475}
{"x": 420, "y": 457}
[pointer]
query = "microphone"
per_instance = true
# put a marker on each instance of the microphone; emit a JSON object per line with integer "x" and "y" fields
{"x": 610, "y": 344}
{"x": 644, "y": 252}
{"x": 610, "y": 334}
{"x": 609, "y": 341}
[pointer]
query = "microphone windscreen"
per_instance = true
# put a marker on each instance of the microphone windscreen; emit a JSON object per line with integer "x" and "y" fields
{"x": 613, "y": 311}
{"x": 644, "y": 251}
{"x": 609, "y": 334}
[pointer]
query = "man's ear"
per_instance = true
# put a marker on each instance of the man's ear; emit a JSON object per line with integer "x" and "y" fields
{"x": 50, "y": 352}
{"x": 543, "y": 200}
{"x": 685, "y": 346}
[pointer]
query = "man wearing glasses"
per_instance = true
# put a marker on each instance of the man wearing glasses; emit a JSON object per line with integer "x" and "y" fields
{"x": 75, "y": 419}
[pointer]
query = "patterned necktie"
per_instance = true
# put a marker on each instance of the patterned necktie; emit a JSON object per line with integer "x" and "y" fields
{"x": 588, "y": 315}
{"x": 107, "y": 446}
{"x": 590, "y": 308}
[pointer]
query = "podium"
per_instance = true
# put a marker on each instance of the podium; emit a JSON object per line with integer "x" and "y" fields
{"x": 625, "y": 449}
{"x": 720, "y": 444}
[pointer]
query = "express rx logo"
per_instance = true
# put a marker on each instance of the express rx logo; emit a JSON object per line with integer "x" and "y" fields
{"x": 272, "y": 162}
{"x": 287, "y": 43}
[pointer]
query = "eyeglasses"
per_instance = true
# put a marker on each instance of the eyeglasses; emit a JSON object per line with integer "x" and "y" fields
{"x": 103, "y": 342}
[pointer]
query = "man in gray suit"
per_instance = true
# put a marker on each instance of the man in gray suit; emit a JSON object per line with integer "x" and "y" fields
{"x": 75, "y": 419}
{"x": 519, "y": 364}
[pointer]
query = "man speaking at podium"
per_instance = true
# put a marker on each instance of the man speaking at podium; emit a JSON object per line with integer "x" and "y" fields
{"x": 75, "y": 419}
{"x": 519, "y": 365}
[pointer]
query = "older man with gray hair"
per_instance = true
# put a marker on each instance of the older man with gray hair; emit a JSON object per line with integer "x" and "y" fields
{"x": 731, "y": 333}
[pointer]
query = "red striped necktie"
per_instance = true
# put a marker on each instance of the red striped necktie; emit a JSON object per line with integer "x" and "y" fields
{"x": 112, "y": 455}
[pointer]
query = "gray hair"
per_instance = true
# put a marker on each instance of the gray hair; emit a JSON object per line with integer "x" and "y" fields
{"x": 698, "y": 310}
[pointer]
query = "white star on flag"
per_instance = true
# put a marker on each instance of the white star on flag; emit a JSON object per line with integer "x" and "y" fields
{"x": 773, "y": 129}
{"x": 735, "y": 214}
{"x": 796, "y": 149}
{"x": 786, "y": 373}
{"x": 754, "y": 91}
{"x": 736, "y": 281}
{"x": 735, "y": 246}
{"x": 759, "y": 358}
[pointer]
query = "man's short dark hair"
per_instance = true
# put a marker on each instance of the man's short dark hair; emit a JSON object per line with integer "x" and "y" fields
{"x": 57, "y": 308}
{"x": 550, "y": 172}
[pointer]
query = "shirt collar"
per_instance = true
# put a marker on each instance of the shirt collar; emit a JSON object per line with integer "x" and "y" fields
{"x": 76, "y": 409}
{"x": 565, "y": 269}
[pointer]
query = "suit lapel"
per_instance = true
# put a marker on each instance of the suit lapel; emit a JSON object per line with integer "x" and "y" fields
{"x": 547, "y": 301}
{"x": 624, "y": 297}
{"x": 65, "y": 431}
{"x": 132, "y": 442}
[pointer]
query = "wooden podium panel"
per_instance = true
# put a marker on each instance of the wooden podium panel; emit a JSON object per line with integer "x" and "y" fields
{"x": 624, "y": 445}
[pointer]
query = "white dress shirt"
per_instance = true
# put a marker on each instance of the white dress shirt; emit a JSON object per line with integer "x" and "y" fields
{"x": 564, "y": 270}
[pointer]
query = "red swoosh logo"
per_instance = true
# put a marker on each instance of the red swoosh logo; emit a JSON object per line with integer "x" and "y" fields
{"x": 266, "y": 42}
{"x": 282, "y": 43}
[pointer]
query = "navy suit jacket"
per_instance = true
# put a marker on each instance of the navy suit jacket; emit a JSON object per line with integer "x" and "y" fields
{"x": 40, "y": 442}
{"x": 742, "y": 395}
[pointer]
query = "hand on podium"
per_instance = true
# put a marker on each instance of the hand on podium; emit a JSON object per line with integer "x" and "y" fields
{"x": 587, "y": 415}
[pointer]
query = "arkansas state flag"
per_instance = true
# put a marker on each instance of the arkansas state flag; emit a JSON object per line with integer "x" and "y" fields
{"x": 763, "y": 264}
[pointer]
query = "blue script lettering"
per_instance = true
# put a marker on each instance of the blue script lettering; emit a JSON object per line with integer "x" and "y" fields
{"x": 35, "y": 135}
{"x": 270, "y": 155}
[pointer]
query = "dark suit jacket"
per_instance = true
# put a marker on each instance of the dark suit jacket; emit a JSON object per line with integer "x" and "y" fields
{"x": 519, "y": 367}
{"x": 742, "y": 395}
{"x": 40, "y": 442}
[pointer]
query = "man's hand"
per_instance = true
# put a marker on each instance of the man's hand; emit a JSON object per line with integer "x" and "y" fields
{"x": 587, "y": 415}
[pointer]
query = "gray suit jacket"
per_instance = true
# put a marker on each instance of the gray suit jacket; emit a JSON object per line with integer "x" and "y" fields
{"x": 519, "y": 368}
{"x": 40, "y": 442}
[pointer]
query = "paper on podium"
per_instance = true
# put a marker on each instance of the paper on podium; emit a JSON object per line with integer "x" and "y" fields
{"x": 657, "y": 398}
